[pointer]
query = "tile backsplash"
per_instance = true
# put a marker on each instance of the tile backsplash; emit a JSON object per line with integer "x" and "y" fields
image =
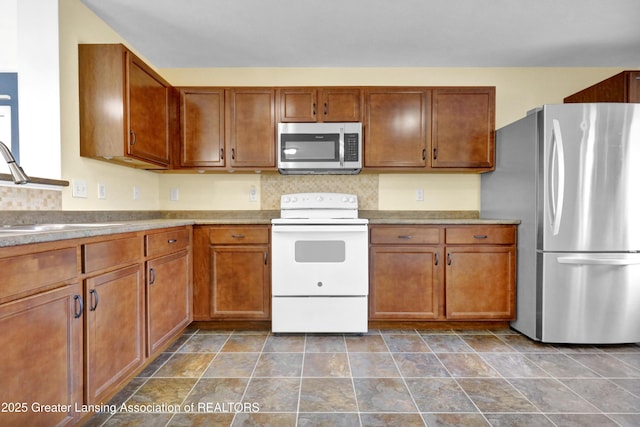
{"x": 365, "y": 186}
{"x": 14, "y": 198}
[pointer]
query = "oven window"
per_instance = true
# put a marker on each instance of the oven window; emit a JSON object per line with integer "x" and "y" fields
{"x": 320, "y": 251}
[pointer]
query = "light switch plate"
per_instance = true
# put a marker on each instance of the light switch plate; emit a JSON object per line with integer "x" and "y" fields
{"x": 102, "y": 191}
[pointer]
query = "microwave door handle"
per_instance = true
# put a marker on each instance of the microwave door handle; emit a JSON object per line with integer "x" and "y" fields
{"x": 341, "y": 148}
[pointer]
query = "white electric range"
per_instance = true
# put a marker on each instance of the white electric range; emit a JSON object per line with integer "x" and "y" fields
{"x": 320, "y": 265}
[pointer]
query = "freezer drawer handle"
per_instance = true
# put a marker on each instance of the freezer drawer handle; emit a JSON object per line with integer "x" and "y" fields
{"x": 599, "y": 261}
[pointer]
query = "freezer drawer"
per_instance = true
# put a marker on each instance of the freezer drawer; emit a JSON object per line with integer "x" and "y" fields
{"x": 590, "y": 298}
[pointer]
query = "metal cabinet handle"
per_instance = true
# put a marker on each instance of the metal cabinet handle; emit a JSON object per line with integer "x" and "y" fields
{"x": 480, "y": 236}
{"x": 94, "y": 299}
{"x": 314, "y": 109}
{"x": 79, "y": 306}
{"x": 233, "y": 154}
{"x": 266, "y": 256}
{"x": 132, "y": 137}
{"x": 326, "y": 109}
{"x": 405, "y": 236}
{"x": 424, "y": 154}
{"x": 435, "y": 154}
{"x": 171, "y": 241}
{"x": 222, "y": 154}
{"x": 152, "y": 276}
{"x": 437, "y": 258}
{"x": 449, "y": 259}
{"x": 238, "y": 236}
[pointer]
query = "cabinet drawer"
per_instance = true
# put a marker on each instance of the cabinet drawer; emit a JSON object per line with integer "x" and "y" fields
{"x": 405, "y": 235}
{"x": 166, "y": 242}
{"x": 21, "y": 274}
{"x": 487, "y": 235}
{"x": 239, "y": 235}
{"x": 112, "y": 253}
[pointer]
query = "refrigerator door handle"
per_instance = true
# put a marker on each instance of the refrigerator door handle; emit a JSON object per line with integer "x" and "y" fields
{"x": 598, "y": 261}
{"x": 557, "y": 162}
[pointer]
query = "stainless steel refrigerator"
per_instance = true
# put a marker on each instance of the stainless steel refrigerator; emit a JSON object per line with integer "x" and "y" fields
{"x": 571, "y": 173}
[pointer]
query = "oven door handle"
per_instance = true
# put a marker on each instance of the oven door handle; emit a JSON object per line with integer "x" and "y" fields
{"x": 319, "y": 228}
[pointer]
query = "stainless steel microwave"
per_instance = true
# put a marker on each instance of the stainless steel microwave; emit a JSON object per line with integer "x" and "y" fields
{"x": 319, "y": 148}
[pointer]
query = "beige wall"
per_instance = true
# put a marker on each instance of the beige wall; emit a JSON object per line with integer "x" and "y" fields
{"x": 517, "y": 91}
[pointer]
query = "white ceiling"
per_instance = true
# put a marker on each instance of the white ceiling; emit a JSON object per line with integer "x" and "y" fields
{"x": 378, "y": 33}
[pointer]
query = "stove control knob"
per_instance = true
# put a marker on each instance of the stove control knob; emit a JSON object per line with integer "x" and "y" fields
{"x": 345, "y": 199}
{"x": 352, "y": 199}
{"x": 294, "y": 199}
{"x": 319, "y": 198}
{"x": 286, "y": 199}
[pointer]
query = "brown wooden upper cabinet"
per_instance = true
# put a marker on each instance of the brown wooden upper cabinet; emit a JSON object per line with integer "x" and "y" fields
{"x": 326, "y": 104}
{"x": 125, "y": 108}
{"x": 623, "y": 87}
{"x": 397, "y": 127}
{"x": 439, "y": 129}
{"x": 227, "y": 128}
{"x": 463, "y": 128}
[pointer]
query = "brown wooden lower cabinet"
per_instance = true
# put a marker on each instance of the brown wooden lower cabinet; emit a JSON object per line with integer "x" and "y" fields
{"x": 168, "y": 298}
{"x": 41, "y": 358}
{"x": 457, "y": 273}
{"x": 405, "y": 282}
{"x": 114, "y": 338}
{"x": 232, "y": 273}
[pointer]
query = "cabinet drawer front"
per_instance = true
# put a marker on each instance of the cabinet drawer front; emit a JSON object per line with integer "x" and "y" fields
{"x": 239, "y": 235}
{"x": 166, "y": 242}
{"x": 405, "y": 235}
{"x": 25, "y": 273}
{"x": 112, "y": 253}
{"x": 488, "y": 235}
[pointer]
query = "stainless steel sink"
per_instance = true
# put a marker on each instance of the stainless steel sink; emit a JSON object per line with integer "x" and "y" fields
{"x": 44, "y": 228}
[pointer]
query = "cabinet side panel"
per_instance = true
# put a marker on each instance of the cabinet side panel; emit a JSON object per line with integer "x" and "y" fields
{"x": 103, "y": 122}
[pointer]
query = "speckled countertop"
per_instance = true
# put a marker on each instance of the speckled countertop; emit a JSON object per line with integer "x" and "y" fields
{"x": 112, "y": 222}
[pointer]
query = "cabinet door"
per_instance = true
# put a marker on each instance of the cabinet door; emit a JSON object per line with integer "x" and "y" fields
{"x": 202, "y": 127}
{"x": 463, "y": 126}
{"x": 168, "y": 298}
{"x": 405, "y": 282}
{"x": 396, "y": 128}
{"x": 252, "y": 128}
{"x": 341, "y": 105}
{"x": 114, "y": 334}
{"x": 148, "y": 114}
{"x": 298, "y": 104}
{"x": 41, "y": 358}
{"x": 480, "y": 282}
{"x": 240, "y": 282}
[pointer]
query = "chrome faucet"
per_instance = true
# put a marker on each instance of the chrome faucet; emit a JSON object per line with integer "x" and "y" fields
{"x": 19, "y": 177}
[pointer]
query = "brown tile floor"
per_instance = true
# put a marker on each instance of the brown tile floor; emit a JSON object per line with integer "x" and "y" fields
{"x": 400, "y": 378}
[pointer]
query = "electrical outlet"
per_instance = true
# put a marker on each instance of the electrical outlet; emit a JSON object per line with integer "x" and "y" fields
{"x": 419, "y": 195}
{"x": 174, "y": 194}
{"x": 102, "y": 191}
{"x": 136, "y": 193}
{"x": 253, "y": 194}
{"x": 79, "y": 188}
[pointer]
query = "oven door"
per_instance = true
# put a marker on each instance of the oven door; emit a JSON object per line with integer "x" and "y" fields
{"x": 320, "y": 260}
